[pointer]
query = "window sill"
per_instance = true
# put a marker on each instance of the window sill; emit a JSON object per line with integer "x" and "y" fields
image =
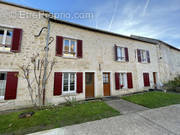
{"x": 123, "y": 61}
{"x": 69, "y": 94}
{"x": 144, "y": 62}
{"x": 69, "y": 57}
{"x": 6, "y": 52}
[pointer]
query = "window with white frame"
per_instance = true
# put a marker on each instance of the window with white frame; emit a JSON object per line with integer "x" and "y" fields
{"x": 2, "y": 85}
{"x": 69, "y": 47}
{"x": 123, "y": 80}
{"x": 5, "y": 39}
{"x": 69, "y": 82}
{"x": 143, "y": 56}
{"x": 120, "y": 53}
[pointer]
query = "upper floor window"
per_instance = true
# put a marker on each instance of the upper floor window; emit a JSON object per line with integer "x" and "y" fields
{"x": 143, "y": 56}
{"x": 5, "y": 39}
{"x": 69, "y": 47}
{"x": 121, "y": 53}
{"x": 69, "y": 82}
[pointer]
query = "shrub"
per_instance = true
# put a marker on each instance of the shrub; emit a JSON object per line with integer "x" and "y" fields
{"x": 173, "y": 85}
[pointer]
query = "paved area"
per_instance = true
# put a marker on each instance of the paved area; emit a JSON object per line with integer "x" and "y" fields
{"x": 161, "y": 121}
{"x": 125, "y": 107}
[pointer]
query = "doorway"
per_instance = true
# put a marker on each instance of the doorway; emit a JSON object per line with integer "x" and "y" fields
{"x": 89, "y": 78}
{"x": 106, "y": 84}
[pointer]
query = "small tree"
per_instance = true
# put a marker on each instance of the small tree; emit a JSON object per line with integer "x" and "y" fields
{"x": 33, "y": 73}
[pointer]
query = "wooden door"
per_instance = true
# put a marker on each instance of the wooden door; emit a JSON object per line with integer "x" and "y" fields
{"x": 106, "y": 84}
{"x": 154, "y": 78}
{"x": 89, "y": 78}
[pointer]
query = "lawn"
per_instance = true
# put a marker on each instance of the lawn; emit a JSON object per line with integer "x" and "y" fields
{"x": 154, "y": 99}
{"x": 55, "y": 117}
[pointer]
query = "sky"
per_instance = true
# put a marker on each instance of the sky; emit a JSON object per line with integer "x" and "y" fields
{"x": 149, "y": 18}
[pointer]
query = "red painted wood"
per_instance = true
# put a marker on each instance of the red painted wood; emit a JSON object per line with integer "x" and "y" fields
{"x": 16, "y": 40}
{"x": 57, "y": 83}
{"x": 11, "y": 85}
{"x": 139, "y": 55}
{"x": 79, "y": 48}
{"x": 126, "y": 54}
{"x": 117, "y": 84}
{"x": 59, "y": 46}
{"x": 79, "y": 82}
{"x": 130, "y": 80}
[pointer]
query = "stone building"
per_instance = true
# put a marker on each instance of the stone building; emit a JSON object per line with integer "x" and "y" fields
{"x": 90, "y": 62}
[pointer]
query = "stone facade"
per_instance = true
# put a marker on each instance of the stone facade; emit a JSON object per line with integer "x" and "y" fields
{"x": 98, "y": 51}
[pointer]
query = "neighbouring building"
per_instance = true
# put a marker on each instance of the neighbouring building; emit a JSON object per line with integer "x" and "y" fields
{"x": 90, "y": 62}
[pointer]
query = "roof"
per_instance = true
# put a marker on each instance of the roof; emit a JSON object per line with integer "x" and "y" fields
{"x": 155, "y": 41}
{"x": 95, "y": 30}
{"x": 25, "y": 7}
{"x": 132, "y": 37}
{"x": 72, "y": 24}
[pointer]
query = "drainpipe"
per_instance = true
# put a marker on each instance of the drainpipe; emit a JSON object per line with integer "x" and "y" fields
{"x": 46, "y": 62}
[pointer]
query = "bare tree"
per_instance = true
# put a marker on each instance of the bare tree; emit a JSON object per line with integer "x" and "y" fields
{"x": 33, "y": 73}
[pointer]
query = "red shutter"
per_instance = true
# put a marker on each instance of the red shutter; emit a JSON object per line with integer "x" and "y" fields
{"x": 117, "y": 81}
{"x": 126, "y": 54}
{"x": 115, "y": 52}
{"x": 16, "y": 40}
{"x": 148, "y": 56}
{"x": 129, "y": 80}
{"x": 79, "y": 82}
{"x": 139, "y": 55}
{"x": 59, "y": 46}
{"x": 146, "y": 79}
{"x": 57, "y": 83}
{"x": 11, "y": 85}
{"x": 79, "y": 48}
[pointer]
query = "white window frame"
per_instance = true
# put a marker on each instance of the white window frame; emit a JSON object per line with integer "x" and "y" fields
{"x": 69, "y": 91}
{"x": 125, "y": 86}
{"x": 3, "y": 85}
{"x": 69, "y": 47}
{"x": 3, "y": 43}
{"x": 143, "y": 56}
{"x": 121, "y": 53}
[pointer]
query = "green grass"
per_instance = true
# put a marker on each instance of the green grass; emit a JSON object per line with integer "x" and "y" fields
{"x": 154, "y": 99}
{"x": 55, "y": 117}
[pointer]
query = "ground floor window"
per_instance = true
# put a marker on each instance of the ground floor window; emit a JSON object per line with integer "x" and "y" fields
{"x": 2, "y": 85}
{"x": 123, "y": 80}
{"x": 69, "y": 82}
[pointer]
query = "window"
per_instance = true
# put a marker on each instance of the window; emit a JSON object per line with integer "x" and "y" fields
{"x": 69, "y": 82}
{"x": 5, "y": 39}
{"x": 2, "y": 85}
{"x": 120, "y": 54}
{"x": 143, "y": 56}
{"x": 123, "y": 80}
{"x": 105, "y": 78}
{"x": 69, "y": 47}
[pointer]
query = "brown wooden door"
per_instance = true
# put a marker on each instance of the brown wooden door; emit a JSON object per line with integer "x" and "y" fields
{"x": 89, "y": 78}
{"x": 106, "y": 84}
{"x": 154, "y": 78}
